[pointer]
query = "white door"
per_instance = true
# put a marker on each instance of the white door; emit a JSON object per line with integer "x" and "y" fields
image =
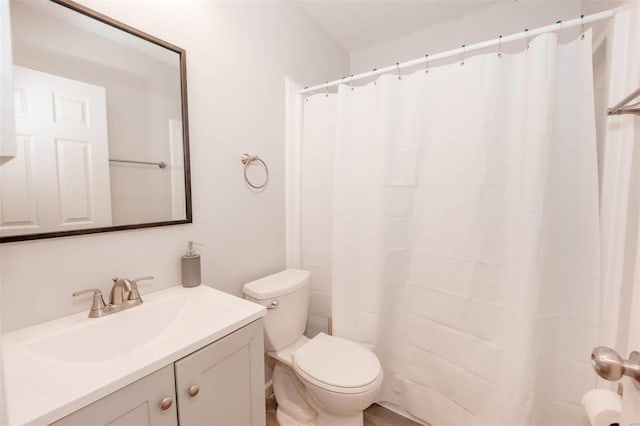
{"x": 59, "y": 179}
{"x": 631, "y": 394}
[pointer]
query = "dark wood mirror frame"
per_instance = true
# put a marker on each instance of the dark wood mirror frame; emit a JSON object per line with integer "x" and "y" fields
{"x": 185, "y": 131}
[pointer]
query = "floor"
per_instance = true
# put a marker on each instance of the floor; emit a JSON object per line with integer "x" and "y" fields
{"x": 375, "y": 415}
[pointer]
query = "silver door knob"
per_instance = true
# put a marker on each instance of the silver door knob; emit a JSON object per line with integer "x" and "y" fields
{"x": 193, "y": 390}
{"x": 166, "y": 403}
{"x": 610, "y": 366}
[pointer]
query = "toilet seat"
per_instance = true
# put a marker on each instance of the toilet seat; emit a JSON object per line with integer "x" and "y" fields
{"x": 337, "y": 365}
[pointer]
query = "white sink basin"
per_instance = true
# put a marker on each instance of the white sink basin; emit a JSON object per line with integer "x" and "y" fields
{"x": 108, "y": 338}
{"x": 55, "y": 368}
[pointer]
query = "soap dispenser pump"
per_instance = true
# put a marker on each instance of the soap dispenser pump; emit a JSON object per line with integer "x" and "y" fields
{"x": 191, "y": 272}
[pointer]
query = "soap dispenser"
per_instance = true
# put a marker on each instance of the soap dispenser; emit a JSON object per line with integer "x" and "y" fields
{"x": 191, "y": 275}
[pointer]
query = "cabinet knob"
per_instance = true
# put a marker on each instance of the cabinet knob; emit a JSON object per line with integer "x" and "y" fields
{"x": 193, "y": 390}
{"x": 166, "y": 403}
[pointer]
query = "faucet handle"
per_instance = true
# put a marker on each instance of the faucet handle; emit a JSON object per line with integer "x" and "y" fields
{"x": 97, "y": 306}
{"x": 134, "y": 281}
{"x": 134, "y": 294}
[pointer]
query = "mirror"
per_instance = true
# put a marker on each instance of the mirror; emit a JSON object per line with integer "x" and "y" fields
{"x": 101, "y": 126}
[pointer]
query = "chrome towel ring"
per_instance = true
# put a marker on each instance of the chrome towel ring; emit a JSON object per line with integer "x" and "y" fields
{"x": 248, "y": 159}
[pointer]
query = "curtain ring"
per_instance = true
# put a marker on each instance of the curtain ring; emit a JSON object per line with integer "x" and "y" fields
{"x": 247, "y": 160}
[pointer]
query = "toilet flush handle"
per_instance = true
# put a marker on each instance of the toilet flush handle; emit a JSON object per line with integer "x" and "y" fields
{"x": 274, "y": 304}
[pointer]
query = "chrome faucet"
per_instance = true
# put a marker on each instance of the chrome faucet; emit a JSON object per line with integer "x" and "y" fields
{"x": 120, "y": 291}
{"x": 124, "y": 295}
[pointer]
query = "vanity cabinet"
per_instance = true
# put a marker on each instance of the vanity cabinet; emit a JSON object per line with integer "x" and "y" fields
{"x": 137, "y": 404}
{"x": 221, "y": 384}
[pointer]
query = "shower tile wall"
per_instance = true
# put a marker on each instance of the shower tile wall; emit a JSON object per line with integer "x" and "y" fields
{"x": 316, "y": 207}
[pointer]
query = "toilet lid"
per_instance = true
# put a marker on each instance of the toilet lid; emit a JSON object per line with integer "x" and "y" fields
{"x": 336, "y": 362}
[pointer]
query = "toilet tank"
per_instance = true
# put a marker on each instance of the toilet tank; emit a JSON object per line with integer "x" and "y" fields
{"x": 286, "y": 296}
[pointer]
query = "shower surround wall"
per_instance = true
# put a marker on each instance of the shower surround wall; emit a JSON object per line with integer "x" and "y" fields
{"x": 316, "y": 207}
{"x": 238, "y": 54}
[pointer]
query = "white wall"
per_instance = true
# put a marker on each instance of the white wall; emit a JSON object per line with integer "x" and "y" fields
{"x": 502, "y": 18}
{"x": 238, "y": 54}
{"x": 7, "y": 145}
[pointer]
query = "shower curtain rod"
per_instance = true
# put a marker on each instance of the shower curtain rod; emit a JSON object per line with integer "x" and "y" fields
{"x": 559, "y": 25}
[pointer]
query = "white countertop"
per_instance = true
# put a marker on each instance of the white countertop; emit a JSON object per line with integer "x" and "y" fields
{"x": 50, "y": 374}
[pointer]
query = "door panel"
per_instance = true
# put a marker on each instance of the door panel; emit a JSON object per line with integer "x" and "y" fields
{"x": 67, "y": 110}
{"x": 74, "y": 181}
{"x": 18, "y": 206}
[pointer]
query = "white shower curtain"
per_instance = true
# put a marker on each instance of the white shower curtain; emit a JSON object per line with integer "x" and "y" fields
{"x": 464, "y": 244}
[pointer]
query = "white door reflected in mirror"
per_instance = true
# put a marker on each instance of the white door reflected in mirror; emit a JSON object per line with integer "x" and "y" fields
{"x": 59, "y": 179}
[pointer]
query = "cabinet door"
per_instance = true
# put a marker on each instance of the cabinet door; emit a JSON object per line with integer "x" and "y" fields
{"x": 135, "y": 405}
{"x": 229, "y": 375}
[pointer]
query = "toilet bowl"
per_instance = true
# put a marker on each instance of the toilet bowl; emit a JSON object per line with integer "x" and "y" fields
{"x": 322, "y": 381}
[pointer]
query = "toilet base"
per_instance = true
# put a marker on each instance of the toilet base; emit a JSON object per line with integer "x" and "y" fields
{"x": 296, "y": 407}
{"x": 286, "y": 420}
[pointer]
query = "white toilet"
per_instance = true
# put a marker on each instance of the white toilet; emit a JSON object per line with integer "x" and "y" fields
{"x": 324, "y": 381}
